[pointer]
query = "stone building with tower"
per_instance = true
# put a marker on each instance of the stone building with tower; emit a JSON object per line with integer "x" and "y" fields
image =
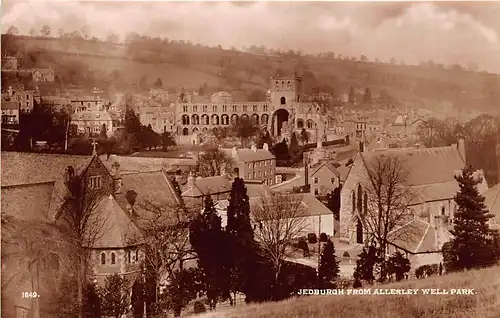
{"x": 285, "y": 111}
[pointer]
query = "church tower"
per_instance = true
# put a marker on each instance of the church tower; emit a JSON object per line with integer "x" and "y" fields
{"x": 285, "y": 91}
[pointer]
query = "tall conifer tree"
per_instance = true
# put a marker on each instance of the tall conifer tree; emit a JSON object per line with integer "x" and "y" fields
{"x": 473, "y": 242}
{"x": 328, "y": 270}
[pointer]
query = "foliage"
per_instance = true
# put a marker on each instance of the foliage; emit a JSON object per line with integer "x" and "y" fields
{"x": 323, "y": 237}
{"x": 304, "y": 136}
{"x": 312, "y": 238}
{"x": 185, "y": 285}
{"x": 302, "y": 244}
{"x": 167, "y": 140}
{"x": 244, "y": 129}
{"x": 473, "y": 240}
{"x": 351, "y": 99}
{"x": 398, "y": 265}
{"x": 333, "y": 202}
{"x": 115, "y": 296}
{"x": 292, "y": 278}
{"x": 280, "y": 220}
{"x": 427, "y": 270}
{"x": 209, "y": 241}
{"x": 367, "y": 97}
{"x": 214, "y": 162}
{"x": 158, "y": 83}
{"x": 294, "y": 146}
{"x": 198, "y": 307}
{"x": 280, "y": 151}
{"x": 328, "y": 270}
{"x": 365, "y": 264}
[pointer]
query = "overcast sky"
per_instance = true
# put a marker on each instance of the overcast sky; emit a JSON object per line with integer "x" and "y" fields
{"x": 446, "y": 32}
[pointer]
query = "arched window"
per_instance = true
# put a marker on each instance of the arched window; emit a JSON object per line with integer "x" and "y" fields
{"x": 129, "y": 255}
{"x": 185, "y": 131}
{"x": 185, "y": 119}
{"x": 443, "y": 210}
{"x": 359, "y": 232}
{"x": 365, "y": 207}
{"x": 205, "y": 120}
{"x": 283, "y": 100}
{"x": 300, "y": 123}
{"x": 353, "y": 202}
{"x": 255, "y": 119}
{"x": 137, "y": 255}
{"x": 360, "y": 199}
{"x": 215, "y": 120}
{"x": 103, "y": 259}
{"x": 346, "y": 254}
{"x": 309, "y": 124}
{"x": 113, "y": 258}
{"x": 195, "y": 120}
{"x": 234, "y": 118}
{"x": 264, "y": 119}
{"x": 225, "y": 119}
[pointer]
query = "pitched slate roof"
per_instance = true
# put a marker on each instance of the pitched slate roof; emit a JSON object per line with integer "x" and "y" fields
{"x": 117, "y": 229}
{"x": 249, "y": 155}
{"x": 415, "y": 237}
{"x": 209, "y": 185}
{"x": 426, "y": 165}
{"x": 315, "y": 168}
{"x": 20, "y": 168}
{"x": 434, "y": 192}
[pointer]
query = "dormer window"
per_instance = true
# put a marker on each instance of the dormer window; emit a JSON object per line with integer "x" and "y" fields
{"x": 95, "y": 182}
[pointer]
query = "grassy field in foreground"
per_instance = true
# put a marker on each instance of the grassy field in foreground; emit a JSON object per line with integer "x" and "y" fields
{"x": 485, "y": 304}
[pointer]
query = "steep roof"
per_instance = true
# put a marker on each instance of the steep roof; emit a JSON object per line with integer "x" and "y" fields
{"x": 426, "y": 165}
{"x": 415, "y": 237}
{"x": 21, "y": 168}
{"x": 118, "y": 229}
{"x": 207, "y": 186}
{"x": 94, "y": 115}
{"x": 315, "y": 168}
{"x": 249, "y": 155}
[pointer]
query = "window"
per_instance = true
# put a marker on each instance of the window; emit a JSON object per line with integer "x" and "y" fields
{"x": 27, "y": 96}
{"x": 316, "y": 192}
{"x": 249, "y": 175}
{"x": 204, "y": 108}
{"x": 359, "y": 232}
{"x": 184, "y": 109}
{"x": 442, "y": 210}
{"x": 113, "y": 258}
{"x": 103, "y": 259}
{"x": 95, "y": 182}
{"x": 264, "y": 108}
{"x": 235, "y": 108}
{"x": 195, "y": 109}
{"x": 316, "y": 180}
{"x": 137, "y": 255}
{"x": 249, "y": 166}
{"x": 214, "y": 108}
{"x": 244, "y": 108}
{"x": 224, "y": 108}
{"x": 254, "y": 108}
{"x": 332, "y": 180}
{"x": 129, "y": 254}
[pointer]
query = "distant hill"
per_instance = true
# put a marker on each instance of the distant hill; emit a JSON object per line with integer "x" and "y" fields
{"x": 178, "y": 64}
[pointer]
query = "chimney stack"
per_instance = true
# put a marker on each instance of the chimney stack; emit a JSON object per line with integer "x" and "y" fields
{"x": 461, "y": 148}
{"x": 266, "y": 146}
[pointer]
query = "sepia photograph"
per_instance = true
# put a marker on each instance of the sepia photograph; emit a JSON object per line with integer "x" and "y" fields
{"x": 260, "y": 159}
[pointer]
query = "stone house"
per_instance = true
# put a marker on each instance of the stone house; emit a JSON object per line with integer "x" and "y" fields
{"x": 432, "y": 186}
{"x": 34, "y": 190}
{"x": 323, "y": 178}
{"x": 255, "y": 164}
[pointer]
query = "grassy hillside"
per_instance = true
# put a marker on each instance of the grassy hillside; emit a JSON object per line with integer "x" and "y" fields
{"x": 485, "y": 304}
{"x": 184, "y": 64}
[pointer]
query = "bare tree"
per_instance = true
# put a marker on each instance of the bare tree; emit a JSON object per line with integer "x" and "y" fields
{"x": 214, "y": 162}
{"x": 383, "y": 202}
{"x": 280, "y": 219}
{"x": 41, "y": 255}
{"x": 84, "y": 226}
{"x": 45, "y": 31}
{"x": 166, "y": 238}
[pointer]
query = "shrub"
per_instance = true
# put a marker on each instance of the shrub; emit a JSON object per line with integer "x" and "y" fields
{"x": 312, "y": 238}
{"x": 302, "y": 244}
{"x": 198, "y": 307}
{"x": 323, "y": 237}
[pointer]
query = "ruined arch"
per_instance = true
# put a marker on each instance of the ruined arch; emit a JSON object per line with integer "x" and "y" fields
{"x": 185, "y": 131}
{"x": 234, "y": 119}
{"x": 195, "y": 119}
{"x": 185, "y": 119}
{"x": 205, "y": 120}
{"x": 279, "y": 118}
{"x": 283, "y": 100}
{"x": 224, "y": 119}
{"x": 255, "y": 119}
{"x": 244, "y": 117}
{"x": 215, "y": 119}
{"x": 264, "y": 119}
{"x": 300, "y": 123}
{"x": 310, "y": 124}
